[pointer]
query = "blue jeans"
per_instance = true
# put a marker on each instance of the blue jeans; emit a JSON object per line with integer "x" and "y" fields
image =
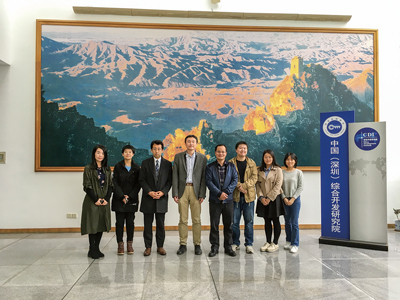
{"x": 292, "y": 222}
{"x": 248, "y": 214}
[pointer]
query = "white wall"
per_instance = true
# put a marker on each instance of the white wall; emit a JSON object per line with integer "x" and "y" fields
{"x": 4, "y": 33}
{"x": 42, "y": 200}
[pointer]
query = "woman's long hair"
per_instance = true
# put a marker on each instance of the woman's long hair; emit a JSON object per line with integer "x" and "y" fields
{"x": 105, "y": 159}
{"x": 274, "y": 163}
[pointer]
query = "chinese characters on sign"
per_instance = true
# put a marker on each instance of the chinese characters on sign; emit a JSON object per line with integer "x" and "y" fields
{"x": 335, "y": 186}
{"x": 334, "y": 147}
{"x": 335, "y": 174}
{"x": 335, "y": 220}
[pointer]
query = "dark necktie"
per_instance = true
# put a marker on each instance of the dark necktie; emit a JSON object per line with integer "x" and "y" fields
{"x": 157, "y": 168}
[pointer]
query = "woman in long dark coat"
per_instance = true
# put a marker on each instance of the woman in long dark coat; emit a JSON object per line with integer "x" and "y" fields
{"x": 96, "y": 213}
{"x": 125, "y": 199}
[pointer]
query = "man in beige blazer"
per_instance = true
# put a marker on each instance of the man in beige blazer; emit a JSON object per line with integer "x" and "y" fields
{"x": 189, "y": 190}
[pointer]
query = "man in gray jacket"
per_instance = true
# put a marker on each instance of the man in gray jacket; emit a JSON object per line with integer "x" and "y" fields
{"x": 189, "y": 190}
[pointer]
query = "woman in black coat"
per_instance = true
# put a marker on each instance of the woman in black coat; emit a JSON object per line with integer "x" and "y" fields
{"x": 96, "y": 214}
{"x": 125, "y": 199}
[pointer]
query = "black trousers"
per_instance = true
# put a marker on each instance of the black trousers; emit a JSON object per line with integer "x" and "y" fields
{"x": 148, "y": 229}
{"x": 121, "y": 218}
{"x": 268, "y": 229}
{"x": 216, "y": 210}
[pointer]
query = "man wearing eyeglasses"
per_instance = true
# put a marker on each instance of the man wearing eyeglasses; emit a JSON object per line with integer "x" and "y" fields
{"x": 221, "y": 180}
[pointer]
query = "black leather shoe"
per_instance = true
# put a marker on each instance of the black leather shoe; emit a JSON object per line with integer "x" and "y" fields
{"x": 213, "y": 252}
{"x": 197, "y": 250}
{"x": 182, "y": 249}
{"x": 230, "y": 252}
{"x": 93, "y": 254}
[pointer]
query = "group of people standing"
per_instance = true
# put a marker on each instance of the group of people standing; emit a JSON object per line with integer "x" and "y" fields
{"x": 234, "y": 188}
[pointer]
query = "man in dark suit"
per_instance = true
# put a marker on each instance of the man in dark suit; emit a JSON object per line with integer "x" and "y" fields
{"x": 156, "y": 180}
{"x": 189, "y": 190}
{"x": 221, "y": 180}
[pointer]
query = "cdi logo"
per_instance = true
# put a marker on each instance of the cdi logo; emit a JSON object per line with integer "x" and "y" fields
{"x": 367, "y": 138}
{"x": 334, "y": 126}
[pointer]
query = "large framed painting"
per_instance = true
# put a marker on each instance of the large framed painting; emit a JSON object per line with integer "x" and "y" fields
{"x": 131, "y": 83}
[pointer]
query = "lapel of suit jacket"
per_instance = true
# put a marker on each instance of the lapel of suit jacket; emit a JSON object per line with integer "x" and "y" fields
{"x": 184, "y": 161}
{"x": 195, "y": 160}
{"x": 262, "y": 174}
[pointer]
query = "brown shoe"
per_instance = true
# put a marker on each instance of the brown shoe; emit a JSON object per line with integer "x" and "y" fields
{"x": 121, "y": 248}
{"x": 147, "y": 252}
{"x": 161, "y": 251}
{"x": 129, "y": 248}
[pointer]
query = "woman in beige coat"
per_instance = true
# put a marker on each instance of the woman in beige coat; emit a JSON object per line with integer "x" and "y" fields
{"x": 270, "y": 206}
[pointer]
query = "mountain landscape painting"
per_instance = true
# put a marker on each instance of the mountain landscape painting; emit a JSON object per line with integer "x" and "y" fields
{"x": 130, "y": 85}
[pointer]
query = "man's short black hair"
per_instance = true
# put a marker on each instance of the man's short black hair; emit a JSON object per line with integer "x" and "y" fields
{"x": 219, "y": 145}
{"x": 157, "y": 142}
{"x": 128, "y": 147}
{"x": 241, "y": 143}
{"x": 191, "y": 136}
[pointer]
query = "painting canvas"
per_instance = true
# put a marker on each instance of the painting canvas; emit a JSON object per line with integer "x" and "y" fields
{"x": 118, "y": 84}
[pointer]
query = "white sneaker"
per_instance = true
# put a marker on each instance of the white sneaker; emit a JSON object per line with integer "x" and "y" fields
{"x": 287, "y": 246}
{"x": 234, "y": 247}
{"x": 249, "y": 250}
{"x": 265, "y": 247}
{"x": 294, "y": 249}
{"x": 273, "y": 247}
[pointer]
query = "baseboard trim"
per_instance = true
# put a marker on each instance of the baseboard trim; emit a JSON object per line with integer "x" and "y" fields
{"x": 140, "y": 228}
{"x": 137, "y": 228}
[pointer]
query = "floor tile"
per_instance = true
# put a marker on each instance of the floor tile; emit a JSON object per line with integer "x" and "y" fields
{"x": 102, "y": 291}
{"x": 12, "y": 256}
{"x": 362, "y": 268}
{"x": 33, "y": 292}
{"x": 7, "y": 242}
{"x": 287, "y": 289}
{"x": 8, "y": 272}
{"x": 56, "y": 266}
{"x": 180, "y": 290}
{"x": 115, "y": 274}
{"x": 48, "y": 275}
{"x": 64, "y": 257}
{"x": 379, "y": 288}
{"x": 183, "y": 272}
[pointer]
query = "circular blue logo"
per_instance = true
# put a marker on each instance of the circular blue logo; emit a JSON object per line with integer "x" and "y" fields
{"x": 334, "y": 126}
{"x": 367, "y": 139}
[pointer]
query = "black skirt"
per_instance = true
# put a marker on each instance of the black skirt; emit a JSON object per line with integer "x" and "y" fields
{"x": 274, "y": 209}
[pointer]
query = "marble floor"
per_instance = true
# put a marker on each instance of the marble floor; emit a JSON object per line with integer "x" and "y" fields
{"x": 56, "y": 266}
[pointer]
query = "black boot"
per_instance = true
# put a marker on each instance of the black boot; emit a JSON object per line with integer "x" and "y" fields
{"x": 92, "y": 247}
{"x": 98, "y": 239}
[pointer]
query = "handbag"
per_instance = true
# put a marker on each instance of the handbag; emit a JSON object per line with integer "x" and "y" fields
{"x": 260, "y": 208}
